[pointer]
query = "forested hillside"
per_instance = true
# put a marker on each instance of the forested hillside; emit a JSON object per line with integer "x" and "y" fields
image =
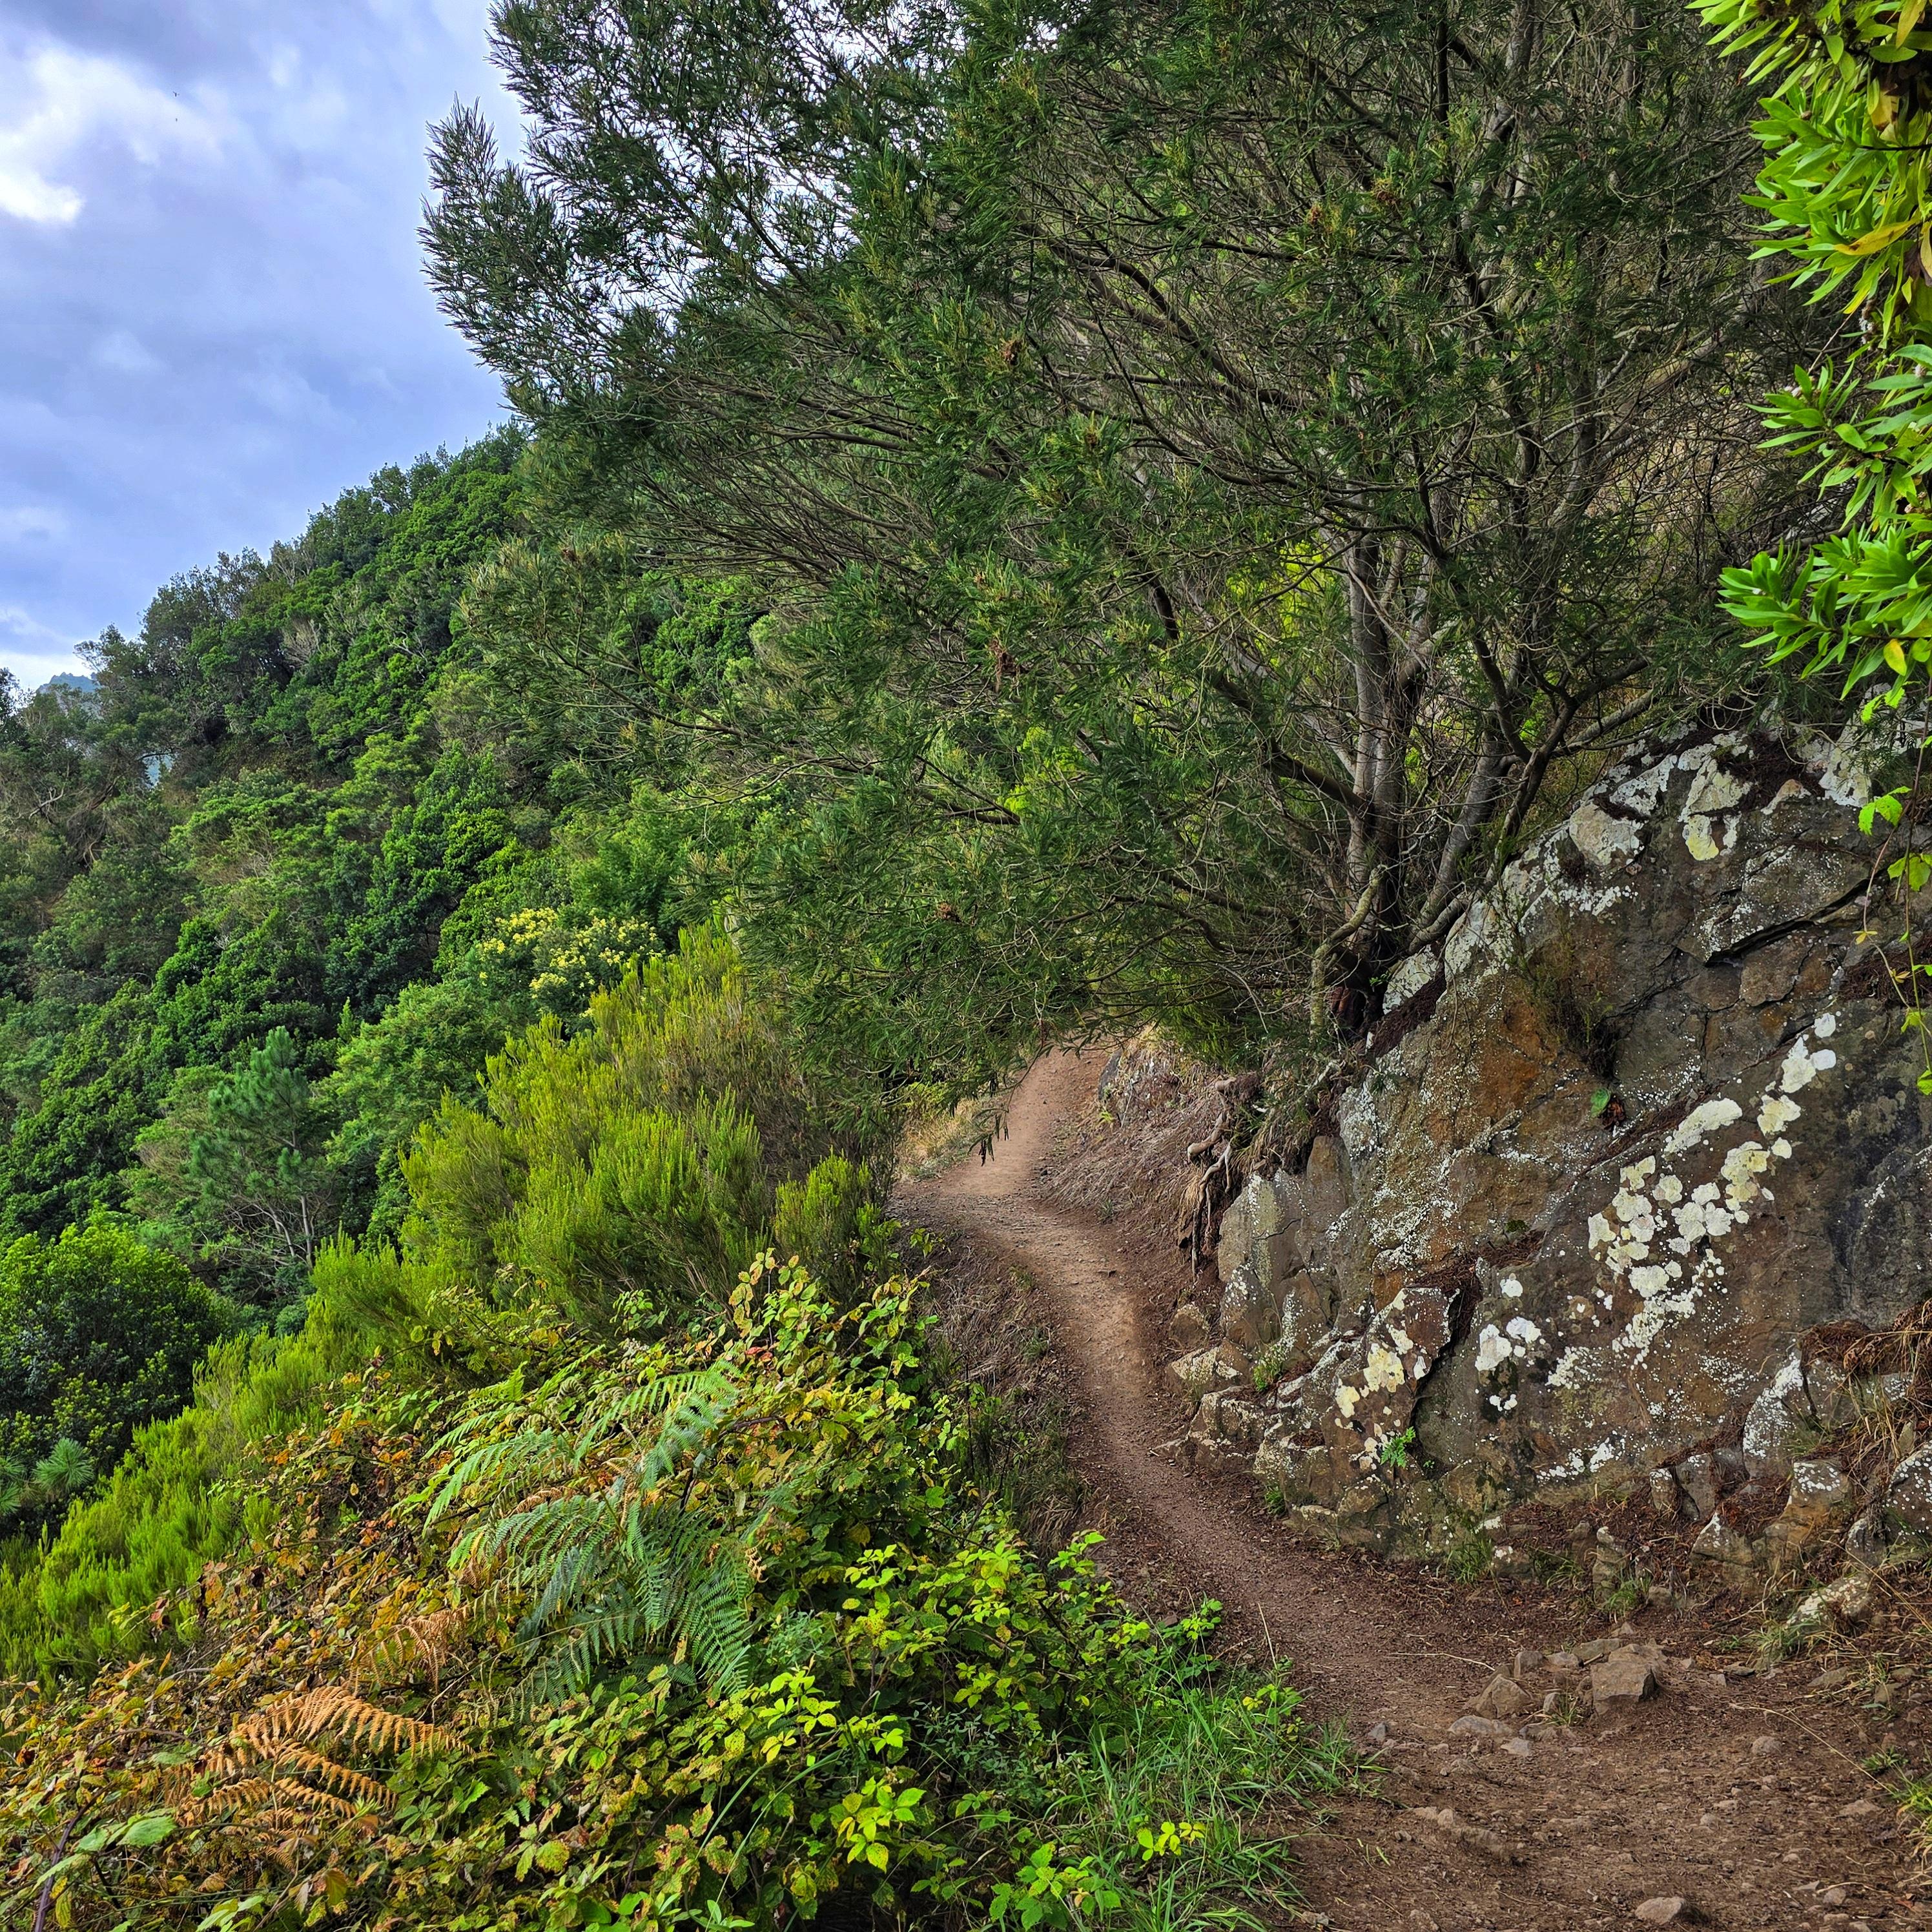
{"x": 1016, "y": 522}
{"x": 290, "y": 869}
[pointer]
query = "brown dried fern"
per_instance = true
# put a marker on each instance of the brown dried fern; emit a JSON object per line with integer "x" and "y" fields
{"x": 427, "y": 1641}
{"x": 329, "y": 1775}
{"x": 303, "y": 1716}
{"x": 265, "y": 1778}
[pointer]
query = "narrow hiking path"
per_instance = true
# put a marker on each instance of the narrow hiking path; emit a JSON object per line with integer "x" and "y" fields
{"x": 1745, "y": 1799}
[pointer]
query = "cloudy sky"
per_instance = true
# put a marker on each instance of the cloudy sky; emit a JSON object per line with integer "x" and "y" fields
{"x": 212, "y": 312}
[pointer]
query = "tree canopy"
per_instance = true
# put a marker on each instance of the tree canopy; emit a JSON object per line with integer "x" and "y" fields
{"x": 1211, "y": 470}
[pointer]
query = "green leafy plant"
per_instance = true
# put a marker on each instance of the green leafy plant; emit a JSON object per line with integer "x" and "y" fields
{"x": 1844, "y": 129}
{"x": 1041, "y": 1893}
{"x": 614, "y": 1558}
{"x": 1568, "y": 1707}
{"x": 1471, "y": 1556}
{"x": 1625, "y": 1598}
{"x": 99, "y": 1333}
{"x": 1271, "y": 1364}
{"x": 1912, "y": 1795}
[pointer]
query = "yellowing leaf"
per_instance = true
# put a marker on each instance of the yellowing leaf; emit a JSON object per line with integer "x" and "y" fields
{"x": 1894, "y": 656}
{"x": 1909, "y": 17}
{"x": 1878, "y": 238}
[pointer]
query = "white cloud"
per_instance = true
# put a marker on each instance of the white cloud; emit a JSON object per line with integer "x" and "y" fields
{"x": 213, "y": 322}
{"x": 64, "y": 102}
{"x": 33, "y": 651}
{"x": 122, "y": 350}
{"x": 286, "y": 393}
{"x": 16, "y": 622}
{"x": 30, "y": 520}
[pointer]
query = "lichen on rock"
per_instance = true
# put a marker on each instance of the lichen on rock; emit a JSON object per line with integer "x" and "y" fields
{"x": 1549, "y": 1297}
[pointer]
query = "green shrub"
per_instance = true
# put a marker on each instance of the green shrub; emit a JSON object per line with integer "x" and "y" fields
{"x": 658, "y": 1213}
{"x": 831, "y": 1221}
{"x": 99, "y": 1333}
{"x": 632, "y": 1162}
{"x": 712, "y": 1630}
{"x": 172, "y": 1505}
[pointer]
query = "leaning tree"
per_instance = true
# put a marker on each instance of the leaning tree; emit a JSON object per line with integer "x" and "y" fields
{"x": 1212, "y": 469}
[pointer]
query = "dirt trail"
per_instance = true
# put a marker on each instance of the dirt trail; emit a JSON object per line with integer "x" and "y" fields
{"x": 1745, "y": 1799}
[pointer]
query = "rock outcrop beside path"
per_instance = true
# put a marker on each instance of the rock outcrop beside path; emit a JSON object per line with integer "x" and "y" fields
{"x": 1644, "y": 1123}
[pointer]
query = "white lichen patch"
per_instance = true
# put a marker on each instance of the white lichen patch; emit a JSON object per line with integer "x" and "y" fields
{"x": 1803, "y": 1064}
{"x": 1841, "y": 769}
{"x": 1699, "y": 1124}
{"x": 1483, "y": 941}
{"x": 1410, "y": 977}
{"x": 1714, "y": 790}
{"x": 1643, "y": 793}
{"x": 1361, "y": 1126}
{"x": 1742, "y": 1165}
{"x": 1606, "y": 840}
{"x": 1661, "y": 1297}
{"x": 1383, "y": 1370}
{"x": 1517, "y": 1342}
{"x": 1705, "y": 839}
{"x": 1611, "y": 828}
{"x": 1709, "y": 823}
{"x": 1691, "y": 1222}
{"x": 1568, "y": 1372}
{"x": 1699, "y": 1219}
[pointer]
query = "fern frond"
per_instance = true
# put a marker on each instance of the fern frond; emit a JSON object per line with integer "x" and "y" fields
{"x": 335, "y": 1777}
{"x": 685, "y": 1430}
{"x": 257, "y": 1794}
{"x": 603, "y": 1561}
{"x": 429, "y": 1640}
{"x": 640, "y": 1401}
{"x": 298, "y": 1798}
{"x": 305, "y": 1715}
{"x": 254, "y": 1804}
{"x": 560, "y": 1672}
{"x": 658, "y": 1580}
{"x": 715, "y": 1620}
{"x": 581, "y": 1517}
{"x": 486, "y": 1465}
{"x": 573, "y": 1568}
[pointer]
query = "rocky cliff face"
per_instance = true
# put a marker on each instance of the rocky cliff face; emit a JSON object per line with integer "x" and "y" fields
{"x": 1644, "y": 1123}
